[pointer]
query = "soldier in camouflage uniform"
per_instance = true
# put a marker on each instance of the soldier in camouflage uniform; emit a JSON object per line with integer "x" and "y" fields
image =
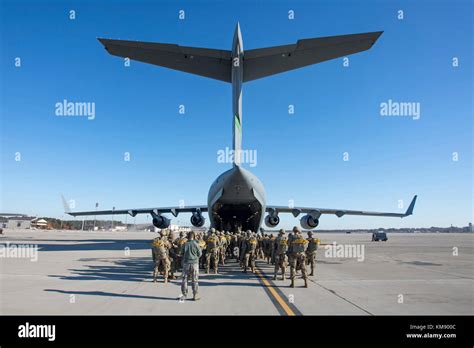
{"x": 265, "y": 247}
{"x": 280, "y": 247}
{"x": 191, "y": 253}
{"x": 160, "y": 247}
{"x": 179, "y": 250}
{"x": 242, "y": 246}
{"x": 271, "y": 246}
{"x": 297, "y": 257}
{"x": 259, "y": 252}
{"x": 235, "y": 247}
{"x": 268, "y": 248}
{"x": 202, "y": 243}
{"x": 228, "y": 240}
{"x": 311, "y": 251}
{"x": 222, "y": 248}
{"x": 212, "y": 247}
{"x": 291, "y": 236}
{"x": 172, "y": 251}
{"x": 250, "y": 252}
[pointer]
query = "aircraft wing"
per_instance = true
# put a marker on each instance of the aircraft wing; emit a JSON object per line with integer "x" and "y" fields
{"x": 268, "y": 61}
{"x": 338, "y": 212}
{"x": 212, "y": 63}
{"x": 133, "y": 212}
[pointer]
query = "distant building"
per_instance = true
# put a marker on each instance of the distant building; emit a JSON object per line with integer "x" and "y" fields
{"x": 39, "y": 223}
{"x": 3, "y": 222}
{"x": 18, "y": 222}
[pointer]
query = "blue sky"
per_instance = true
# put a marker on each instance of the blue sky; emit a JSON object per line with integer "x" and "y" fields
{"x": 300, "y": 156}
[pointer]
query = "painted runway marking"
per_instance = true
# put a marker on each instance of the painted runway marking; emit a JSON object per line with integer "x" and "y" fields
{"x": 276, "y": 296}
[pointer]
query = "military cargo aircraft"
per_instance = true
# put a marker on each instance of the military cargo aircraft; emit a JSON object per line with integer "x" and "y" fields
{"x": 236, "y": 199}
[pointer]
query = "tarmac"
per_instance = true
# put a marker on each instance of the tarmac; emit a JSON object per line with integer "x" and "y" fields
{"x": 110, "y": 273}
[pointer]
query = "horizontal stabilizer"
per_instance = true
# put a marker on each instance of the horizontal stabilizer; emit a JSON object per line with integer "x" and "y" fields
{"x": 263, "y": 62}
{"x": 215, "y": 64}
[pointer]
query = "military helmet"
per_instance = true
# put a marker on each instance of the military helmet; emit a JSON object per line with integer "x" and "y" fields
{"x": 281, "y": 232}
{"x": 310, "y": 234}
{"x": 296, "y": 229}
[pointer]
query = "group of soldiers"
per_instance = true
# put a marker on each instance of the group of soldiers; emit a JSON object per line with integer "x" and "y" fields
{"x": 217, "y": 247}
{"x": 167, "y": 252}
{"x": 282, "y": 251}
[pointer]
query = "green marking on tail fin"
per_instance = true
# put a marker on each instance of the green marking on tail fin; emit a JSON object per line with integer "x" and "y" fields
{"x": 237, "y": 122}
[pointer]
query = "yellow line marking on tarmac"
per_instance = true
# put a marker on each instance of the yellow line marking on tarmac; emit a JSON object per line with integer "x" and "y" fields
{"x": 282, "y": 302}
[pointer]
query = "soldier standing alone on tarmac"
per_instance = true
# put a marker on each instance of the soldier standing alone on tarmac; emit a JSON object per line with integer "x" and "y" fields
{"x": 311, "y": 251}
{"x": 297, "y": 257}
{"x": 280, "y": 247}
{"x": 191, "y": 254}
{"x": 159, "y": 248}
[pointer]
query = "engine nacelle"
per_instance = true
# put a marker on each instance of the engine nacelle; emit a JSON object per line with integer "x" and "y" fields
{"x": 309, "y": 222}
{"x": 197, "y": 220}
{"x": 160, "y": 221}
{"x": 272, "y": 220}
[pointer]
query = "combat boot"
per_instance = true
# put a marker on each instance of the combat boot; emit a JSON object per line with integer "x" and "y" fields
{"x": 305, "y": 282}
{"x": 311, "y": 274}
{"x": 275, "y": 277}
{"x": 196, "y": 297}
{"x": 292, "y": 285}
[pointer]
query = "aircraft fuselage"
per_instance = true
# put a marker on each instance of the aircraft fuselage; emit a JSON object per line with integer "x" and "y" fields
{"x": 237, "y": 197}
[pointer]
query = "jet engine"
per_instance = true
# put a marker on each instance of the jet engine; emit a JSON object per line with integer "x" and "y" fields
{"x": 272, "y": 220}
{"x": 309, "y": 222}
{"x": 197, "y": 220}
{"x": 160, "y": 221}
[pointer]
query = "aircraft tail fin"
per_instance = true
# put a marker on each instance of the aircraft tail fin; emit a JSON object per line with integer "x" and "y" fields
{"x": 67, "y": 208}
{"x": 411, "y": 206}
